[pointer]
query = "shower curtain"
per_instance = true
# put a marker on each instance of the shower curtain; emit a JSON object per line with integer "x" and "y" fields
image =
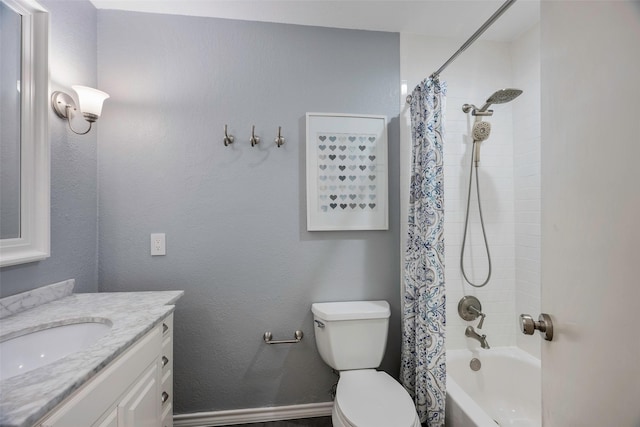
{"x": 423, "y": 371}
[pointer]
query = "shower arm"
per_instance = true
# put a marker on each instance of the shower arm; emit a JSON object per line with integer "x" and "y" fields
{"x": 482, "y": 112}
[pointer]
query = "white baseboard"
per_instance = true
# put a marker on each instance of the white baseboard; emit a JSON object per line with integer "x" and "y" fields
{"x": 252, "y": 415}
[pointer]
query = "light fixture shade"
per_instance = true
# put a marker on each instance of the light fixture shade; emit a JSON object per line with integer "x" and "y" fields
{"x": 90, "y": 100}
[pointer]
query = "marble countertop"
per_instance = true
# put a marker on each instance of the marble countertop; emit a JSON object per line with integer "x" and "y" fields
{"x": 28, "y": 397}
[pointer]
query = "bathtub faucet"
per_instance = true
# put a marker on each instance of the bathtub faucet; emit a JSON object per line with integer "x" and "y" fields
{"x": 471, "y": 333}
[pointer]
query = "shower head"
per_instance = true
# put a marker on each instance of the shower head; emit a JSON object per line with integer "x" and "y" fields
{"x": 501, "y": 96}
{"x": 504, "y": 95}
{"x": 481, "y": 131}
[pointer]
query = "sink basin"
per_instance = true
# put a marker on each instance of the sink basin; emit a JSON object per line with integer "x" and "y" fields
{"x": 33, "y": 350}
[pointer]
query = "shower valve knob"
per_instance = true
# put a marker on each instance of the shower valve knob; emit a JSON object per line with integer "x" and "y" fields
{"x": 528, "y": 326}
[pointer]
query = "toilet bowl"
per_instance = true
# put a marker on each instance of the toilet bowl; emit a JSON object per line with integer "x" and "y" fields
{"x": 351, "y": 338}
{"x": 369, "y": 398}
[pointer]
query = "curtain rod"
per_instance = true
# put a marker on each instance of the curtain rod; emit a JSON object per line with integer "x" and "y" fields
{"x": 497, "y": 14}
{"x": 475, "y": 35}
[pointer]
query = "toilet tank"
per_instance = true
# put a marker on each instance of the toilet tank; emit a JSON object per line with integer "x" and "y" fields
{"x": 351, "y": 334}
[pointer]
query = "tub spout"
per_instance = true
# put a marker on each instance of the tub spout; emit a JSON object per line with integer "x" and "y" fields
{"x": 482, "y": 339}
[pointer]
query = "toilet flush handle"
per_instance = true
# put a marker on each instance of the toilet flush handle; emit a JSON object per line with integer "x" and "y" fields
{"x": 319, "y": 323}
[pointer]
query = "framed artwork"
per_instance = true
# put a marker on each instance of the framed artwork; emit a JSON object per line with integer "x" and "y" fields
{"x": 347, "y": 174}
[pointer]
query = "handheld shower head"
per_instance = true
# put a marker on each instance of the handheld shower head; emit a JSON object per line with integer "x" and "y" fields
{"x": 481, "y": 130}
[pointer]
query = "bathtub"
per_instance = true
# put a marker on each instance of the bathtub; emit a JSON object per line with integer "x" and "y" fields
{"x": 505, "y": 391}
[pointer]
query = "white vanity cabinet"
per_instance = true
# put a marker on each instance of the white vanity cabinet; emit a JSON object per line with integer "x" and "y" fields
{"x": 135, "y": 390}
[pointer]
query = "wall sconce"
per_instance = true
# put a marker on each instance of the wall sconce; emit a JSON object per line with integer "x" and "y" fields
{"x": 90, "y": 101}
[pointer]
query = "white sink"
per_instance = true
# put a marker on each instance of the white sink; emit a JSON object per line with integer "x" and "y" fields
{"x": 33, "y": 350}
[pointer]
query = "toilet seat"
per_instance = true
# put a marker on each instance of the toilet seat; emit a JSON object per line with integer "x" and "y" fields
{"x": 368, "y": 398}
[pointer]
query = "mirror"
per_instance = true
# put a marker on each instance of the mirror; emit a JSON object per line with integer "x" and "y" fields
{"x": 24, "y": 133}
{"x": 10, "y": 67}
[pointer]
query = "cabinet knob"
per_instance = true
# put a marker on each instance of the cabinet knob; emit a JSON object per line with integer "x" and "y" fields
{"x": 165, "y": 328}
{"x": 165, "y": 360}
{"x": 164, "y": 397}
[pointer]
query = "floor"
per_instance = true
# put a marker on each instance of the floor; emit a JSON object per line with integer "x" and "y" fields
{"x": 305, "y": 422}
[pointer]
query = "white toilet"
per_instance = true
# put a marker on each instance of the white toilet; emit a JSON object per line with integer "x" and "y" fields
{"x": 351, "y": 338}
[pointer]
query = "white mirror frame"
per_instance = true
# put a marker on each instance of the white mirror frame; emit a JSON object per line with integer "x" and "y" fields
{"x": 34, "y": 241}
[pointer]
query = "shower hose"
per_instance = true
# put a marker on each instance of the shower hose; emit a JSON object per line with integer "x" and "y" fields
{"x": 466, "y": 223}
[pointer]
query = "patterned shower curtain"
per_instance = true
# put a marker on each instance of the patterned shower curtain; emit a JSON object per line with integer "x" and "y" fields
{"x": 423, "y": 370}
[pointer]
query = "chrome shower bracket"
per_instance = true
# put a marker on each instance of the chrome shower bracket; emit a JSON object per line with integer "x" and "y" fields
{"x": 469, "y": 308}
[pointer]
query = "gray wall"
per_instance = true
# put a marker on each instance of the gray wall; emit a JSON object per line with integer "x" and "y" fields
{"x": 235, "y": 217}
{"x": 72, "y": 58}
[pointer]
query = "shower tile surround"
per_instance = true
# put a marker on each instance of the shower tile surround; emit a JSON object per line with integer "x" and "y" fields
{"x": 35, "y": 393}
{"x": 525, "y": 56}
{"x": 506, "y": 184}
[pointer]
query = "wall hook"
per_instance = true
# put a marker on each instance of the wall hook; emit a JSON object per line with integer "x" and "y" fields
{"x": 279, "y": 139}
{"x": 254, "y": 139}
{"x": 228, "y": 139}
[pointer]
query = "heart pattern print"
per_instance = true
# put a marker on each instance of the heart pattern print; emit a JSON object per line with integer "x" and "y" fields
{"x": 347, "y": 172}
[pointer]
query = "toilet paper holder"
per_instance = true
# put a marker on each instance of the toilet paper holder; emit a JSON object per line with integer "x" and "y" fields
{"x": 268, "y": 338}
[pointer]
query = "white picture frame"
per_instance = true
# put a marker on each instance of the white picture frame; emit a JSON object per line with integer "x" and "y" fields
{"x": 347, "y": 172}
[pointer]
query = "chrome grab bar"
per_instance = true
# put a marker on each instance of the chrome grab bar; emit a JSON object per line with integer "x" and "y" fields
{"x": 268, "y": 338}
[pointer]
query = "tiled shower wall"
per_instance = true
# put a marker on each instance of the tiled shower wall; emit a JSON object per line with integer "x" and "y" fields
{"x": 509, "y": 175}
{"x": 474, "y": 76}
{"x": 525, "y": 57}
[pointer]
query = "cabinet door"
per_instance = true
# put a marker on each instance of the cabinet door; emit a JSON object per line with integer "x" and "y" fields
{"x": 100, "y": 395}
{"x": 111, "y": 420}
{"x": 141, "y": 406}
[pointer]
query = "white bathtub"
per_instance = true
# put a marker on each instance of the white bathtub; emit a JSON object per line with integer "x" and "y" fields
{"x": 505, "y": 391}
